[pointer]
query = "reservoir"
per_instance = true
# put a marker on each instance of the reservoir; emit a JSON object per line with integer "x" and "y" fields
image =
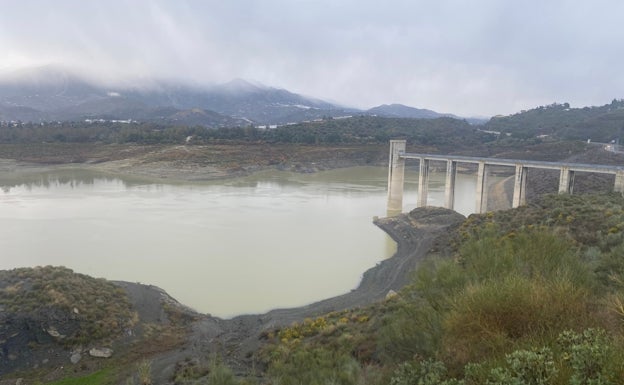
{"x": 245, "y": 245}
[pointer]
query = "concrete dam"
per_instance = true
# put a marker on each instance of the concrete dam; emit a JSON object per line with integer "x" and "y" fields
{"x": 396, "y": 176}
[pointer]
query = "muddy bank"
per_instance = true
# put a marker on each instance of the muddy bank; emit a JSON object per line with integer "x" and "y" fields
{"x": 416, "y": 234}
{"x": 188, "y": 162}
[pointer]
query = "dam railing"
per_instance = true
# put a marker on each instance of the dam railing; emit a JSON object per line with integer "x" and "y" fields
{"x": 396, "y": 176}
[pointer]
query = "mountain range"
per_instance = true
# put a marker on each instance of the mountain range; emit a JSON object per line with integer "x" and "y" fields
{"x": 56, "y": 94}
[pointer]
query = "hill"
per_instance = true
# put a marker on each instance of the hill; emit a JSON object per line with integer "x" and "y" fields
{"x": 50, "y": 94}
{"x": 56, "y": 94}
{"x": 444, "y": 133}
{"x": 52, "y": 318}
{"x": 600, "y": 124}
{"x": 401, "y": 111}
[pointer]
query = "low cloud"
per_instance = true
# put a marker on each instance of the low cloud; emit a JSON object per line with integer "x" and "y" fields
{"x": 483, "y": 57}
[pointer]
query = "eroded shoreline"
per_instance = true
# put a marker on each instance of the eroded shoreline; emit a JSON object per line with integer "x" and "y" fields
{"x": 188, "y": 163}
{"x": 416, "y": 234}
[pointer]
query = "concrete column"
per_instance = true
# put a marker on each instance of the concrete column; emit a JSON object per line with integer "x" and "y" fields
{"x": 519, "y": 194}
{"x": 396, "y": 177}
{"x": 423, "y": 183}
{"x": 482, "y": 188}
{"x": 619, "y": 182}
{"x": 566, "y": 181}
{"x": 449, "y": 186}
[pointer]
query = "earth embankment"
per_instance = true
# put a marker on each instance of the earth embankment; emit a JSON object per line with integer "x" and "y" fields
{"x": 189, "y": 162}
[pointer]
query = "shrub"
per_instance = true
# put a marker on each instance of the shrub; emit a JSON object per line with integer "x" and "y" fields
{"x": 144, "y": 369}
{"x": 97, "y": 309}
{"x": 315, "y": 367}
{"x": 532, "y": 367}
{"x": 220, "y": 374}
{"x": 427, "y": 372}
{"x": 587, "y": 353}
{"x": 536, "y": 252}
{"x": 493, "y": 317}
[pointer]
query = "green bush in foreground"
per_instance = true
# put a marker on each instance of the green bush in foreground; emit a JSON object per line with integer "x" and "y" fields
{"x": 585, "y": 358}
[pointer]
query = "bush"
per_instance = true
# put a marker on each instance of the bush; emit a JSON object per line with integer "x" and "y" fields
{"x": 535, "y": 252}
{"x": 95, "y": 309}
{"x": 315, "y": 367}
{"x": 424, "y": 373}
{"x": 532, "y": 367}
{"x": 588, "y": 355}
{"x": 496, "y": 316}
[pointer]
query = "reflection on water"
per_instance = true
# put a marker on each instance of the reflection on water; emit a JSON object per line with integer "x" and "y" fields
{"x": 71, "y": 178}
{"x": 274, "y": 239}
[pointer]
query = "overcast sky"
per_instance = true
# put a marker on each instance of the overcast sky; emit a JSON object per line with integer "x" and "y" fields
{"x": 469, "y": 57}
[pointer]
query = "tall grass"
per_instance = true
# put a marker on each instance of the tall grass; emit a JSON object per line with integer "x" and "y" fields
{"x": 497, "y": 316}
{"x": 316, "y": 366}
{"x": 533, "y": 253}
{"x": 498, "y": 289}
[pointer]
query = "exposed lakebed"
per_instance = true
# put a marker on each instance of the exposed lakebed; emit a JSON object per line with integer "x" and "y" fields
{"x": 244, "y": 245}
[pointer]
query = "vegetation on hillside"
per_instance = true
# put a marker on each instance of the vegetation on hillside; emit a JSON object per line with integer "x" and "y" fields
{"x": 601, "y": 124}
{"x": 555, "y": 122}
{"x": 72, "y": 308}
{"x": 533, "y": 295}
{"x": 356, "y": 130}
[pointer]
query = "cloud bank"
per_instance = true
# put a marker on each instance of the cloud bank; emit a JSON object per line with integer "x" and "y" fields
{"x": 480, "y": 57}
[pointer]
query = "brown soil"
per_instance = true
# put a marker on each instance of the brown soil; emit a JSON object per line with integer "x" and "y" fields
{"x": 192, "y": 162}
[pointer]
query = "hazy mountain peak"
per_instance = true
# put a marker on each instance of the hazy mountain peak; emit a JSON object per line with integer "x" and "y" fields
{"x": 239, "y": 85}
{"x": 58, "y": 93}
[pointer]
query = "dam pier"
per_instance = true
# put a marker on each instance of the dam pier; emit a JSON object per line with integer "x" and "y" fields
{"x": 396, "y": 176}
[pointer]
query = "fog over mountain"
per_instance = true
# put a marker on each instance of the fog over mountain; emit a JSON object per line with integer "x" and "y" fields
{"x": 56, "y": 94}
{"x": 481, "y": 57}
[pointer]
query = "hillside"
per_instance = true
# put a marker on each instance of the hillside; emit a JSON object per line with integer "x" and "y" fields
{"x": 407, "y": 112}
{"x": 401, "y": 111}
{"x": 526, "y": 296}
{"x": 442, "y": 132}
{"x": 599, "y": 124}
{"x": 56, "y": 323}
{"x": 56, "y": 94}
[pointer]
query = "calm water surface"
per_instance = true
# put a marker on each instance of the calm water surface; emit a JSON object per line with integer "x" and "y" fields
{"x": 247, "y": 245}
